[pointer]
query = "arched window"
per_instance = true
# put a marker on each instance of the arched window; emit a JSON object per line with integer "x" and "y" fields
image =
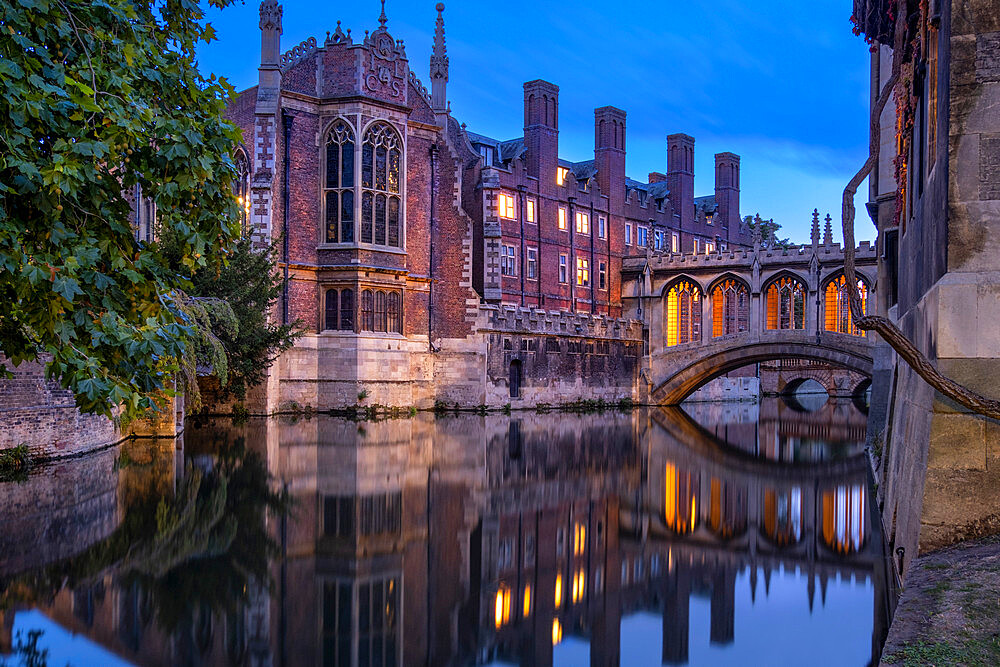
{"x": 844, "y": 518}
{"x": 683, "y": 313}
{"x": 339, "y": 309}
{"x": 837, "y": 308}
{"x": 680, "y": 499}
{"x": 367, "y": 310}
{"x": 785, "y": 301}
{"x": 339, "y": 185}
{"x": 241, "y": 188}
{"x": 730, "y": 308}
{"x": 380, "y": 314}
{"x": 381, "y": 164}
{"x": 393, "y": 313}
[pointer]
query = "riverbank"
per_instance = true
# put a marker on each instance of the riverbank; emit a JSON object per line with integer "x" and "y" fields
{"x": 949, "y": 612}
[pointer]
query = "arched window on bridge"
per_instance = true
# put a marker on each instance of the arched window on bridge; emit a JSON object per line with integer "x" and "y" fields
{"x": 785, "y": 301}
{"x": 680, "y": 504}
{"x": 683, "y": 313}
{"x": 837, "y": 309}
{"x": 844, "y": 518}
{"x": 730, "y": 308}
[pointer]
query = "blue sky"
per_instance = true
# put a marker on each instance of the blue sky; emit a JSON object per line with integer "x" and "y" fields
{"x": 783, "y": 83}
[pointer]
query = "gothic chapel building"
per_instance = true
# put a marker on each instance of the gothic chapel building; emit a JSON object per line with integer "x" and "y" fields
{"x": 429, "y": 263}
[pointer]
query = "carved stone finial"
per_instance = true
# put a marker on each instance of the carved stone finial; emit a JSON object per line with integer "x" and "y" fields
{"x": 439, "y": 64}
{"x": 814, "y": 234}
{"x": 381, "y": 18}
{"x": 828, "y": 230}
{"x": 270, "y": 15}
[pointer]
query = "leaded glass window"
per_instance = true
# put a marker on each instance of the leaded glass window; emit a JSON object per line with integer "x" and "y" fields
{"x": 381, "y": 163}
{"x": 339, "y": 184}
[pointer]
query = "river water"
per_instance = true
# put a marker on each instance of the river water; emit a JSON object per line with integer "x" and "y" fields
{"x": 718, "y": 534}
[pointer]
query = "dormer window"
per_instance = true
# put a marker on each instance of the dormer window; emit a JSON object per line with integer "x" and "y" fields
{"x": 561, "y": 173}
{"x": 487, "y": 154}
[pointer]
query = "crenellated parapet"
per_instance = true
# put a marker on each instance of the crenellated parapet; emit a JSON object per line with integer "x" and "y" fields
{"x": 298, "y": 53}
{"x": 514, "y": 319}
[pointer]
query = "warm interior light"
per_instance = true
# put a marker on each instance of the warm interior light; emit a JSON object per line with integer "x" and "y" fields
{"x": 527, "y": 599}
{"x": 558, "y": 596}
{"x": 556, "y": 631}
{"x": 501, "y": 607}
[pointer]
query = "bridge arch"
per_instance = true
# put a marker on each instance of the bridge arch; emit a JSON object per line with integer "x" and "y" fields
{"x": 674, "y": 378}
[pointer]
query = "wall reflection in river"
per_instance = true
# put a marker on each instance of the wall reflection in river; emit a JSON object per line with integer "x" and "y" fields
{"x": 643, "y": 537}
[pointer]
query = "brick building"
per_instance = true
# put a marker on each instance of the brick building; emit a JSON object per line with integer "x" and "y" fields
{"x": 427, "y": 262}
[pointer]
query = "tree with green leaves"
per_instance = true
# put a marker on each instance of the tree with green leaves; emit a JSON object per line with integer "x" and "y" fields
{"x": 766, "y": 229}
{"x": 97, "y": 99}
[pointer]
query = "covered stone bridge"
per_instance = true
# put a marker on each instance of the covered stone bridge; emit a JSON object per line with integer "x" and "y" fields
{"x": 707, "y": 314}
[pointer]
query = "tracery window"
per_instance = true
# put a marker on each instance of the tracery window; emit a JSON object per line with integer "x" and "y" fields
{"x": 381, "y": 311}
{"x": 339, "y": 309}
{"x": 683, "y": 313}
{"x": 730, "y": 308}
{"x": 339, "y": 184}
{"x": 785, "y": 302}
{"x": 837, "y": 308}
{"x": 381, "y": 163}
{"x": 241, "y": 188}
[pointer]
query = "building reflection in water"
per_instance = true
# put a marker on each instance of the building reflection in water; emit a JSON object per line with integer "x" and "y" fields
{"x": 474, "y": 539}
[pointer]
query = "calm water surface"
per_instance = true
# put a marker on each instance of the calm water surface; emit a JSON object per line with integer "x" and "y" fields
{"x": 728, "y": 534}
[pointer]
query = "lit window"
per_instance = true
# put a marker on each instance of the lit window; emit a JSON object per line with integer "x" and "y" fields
{"x": 579, "y": 539}
{"x": 784, "y": 304}
{"x": 582, "y": 223}
{"x": 530, "y": 214}
{"x": 696, "y": 246}
{"x": 602, "y": 275}
{"x": 527, "y": 600}
{"x": 579, "y": 585}
{"x": 531, "y": 264}
{"x": 683, "y": 313}
{"x": 730, "y": 308}
{"x": 838, "y": 310}
{"x": 506, "y": 206}
{"x": 602, "y": 227}
{"x": 561, "y": 173}
{"x": 559, "y": 591}
{"x": 642, "y": 237}
{"x": 562, "y": 269}
{"x": 582, "y": 271}
{"x": 501, "y": 607}
{"x": 709, "y": 217}
{"x": 628, "y": 233}
{"x": 675, "y": 242}
{"x": 556, "y": 631}
{"x": 508, "y": 262}
{"x": 709, "y": 248}
{"x": 562, "y": 217}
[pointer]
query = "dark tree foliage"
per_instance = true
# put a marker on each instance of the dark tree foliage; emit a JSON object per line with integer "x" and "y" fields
{"x": 97, "y": 98}
{"x": 250, "y": 285}
{"x": 766, "y": 228}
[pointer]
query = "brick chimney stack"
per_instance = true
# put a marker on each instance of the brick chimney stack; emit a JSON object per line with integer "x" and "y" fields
{"x": 609, "y": 154}
{"x": 541, "y": 131}
{"x": 727, "y": 190}
{"x": 680, "y": 176}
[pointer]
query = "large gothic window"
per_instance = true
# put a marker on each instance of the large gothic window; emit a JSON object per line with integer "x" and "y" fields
{"x": 338, "y": 190}
{"x": 730, "y": 308}
{"x": 785, "y": 301}
{"x": 241, "y": 188}
{"x": 381, "y": 206}
{"x": 838, "y": 310}
{"x": 683, "y": 313}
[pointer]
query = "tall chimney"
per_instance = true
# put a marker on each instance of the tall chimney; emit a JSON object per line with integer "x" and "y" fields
{"x": 727, "y": 189}
{"x": 270, "y": 49}
{"x": 609, "y": 154}
{"x": 680, "y": 176}
{"x": 541, "y": 130}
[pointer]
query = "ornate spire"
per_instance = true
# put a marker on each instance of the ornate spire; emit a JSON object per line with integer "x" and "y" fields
{"x": 439, "y": 64}
{"x": 814, "y": 235}
{"x": 828, "y": 230}
{"x": 381, "y": 18}
{"x": 270, "y": 15}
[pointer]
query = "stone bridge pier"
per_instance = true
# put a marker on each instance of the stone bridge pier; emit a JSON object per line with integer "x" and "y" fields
{"x": 707, "y": 314}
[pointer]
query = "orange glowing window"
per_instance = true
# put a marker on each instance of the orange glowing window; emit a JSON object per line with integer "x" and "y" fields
{"x": 559, "y": 591}
{"x": 837, "y": 309}
{"x": 506, "y": 206}
{"x": 579, "y": 539}
{"x": 579, "y": 585}
{"x": 679, "y": 499}
{"x": 527, "y": 600}
{"x": 730, "y": 308}
{"x": 844, "y": 521}
{"x": 785, "y": 302}
{"x": 683, "y": 313}
{"x": 501, "y": 607}
{"x": 561, "y": 174}
{"x": 562, "y": 217}
{"x": 556, "y": 631}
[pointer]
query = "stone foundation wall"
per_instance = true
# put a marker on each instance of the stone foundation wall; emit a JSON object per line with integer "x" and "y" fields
{"x": 39, "y": 413}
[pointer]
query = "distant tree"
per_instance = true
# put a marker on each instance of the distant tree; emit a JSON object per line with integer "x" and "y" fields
{"x": 99, "y": 98}
{"x": 766, "y": 227}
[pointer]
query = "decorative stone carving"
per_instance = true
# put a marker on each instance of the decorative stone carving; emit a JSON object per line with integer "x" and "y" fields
{"x": 270, "y": 15}
{"x": 296, "y": 54}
